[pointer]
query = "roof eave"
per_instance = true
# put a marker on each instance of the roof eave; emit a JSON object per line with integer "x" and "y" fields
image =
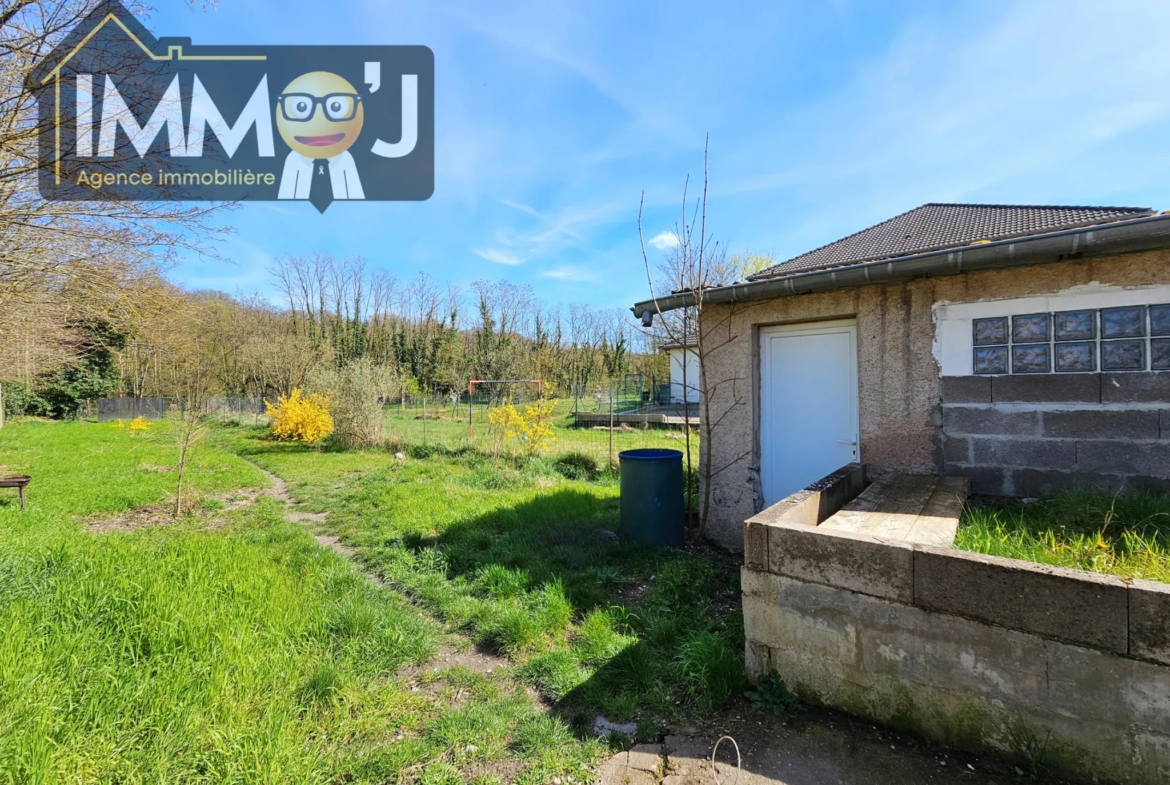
{"x": 952, "y": 246}
{"x": 1130, "y": 236}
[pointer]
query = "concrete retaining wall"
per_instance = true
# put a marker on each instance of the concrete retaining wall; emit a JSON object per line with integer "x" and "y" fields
{"x": 1034, "y": 435}
{"x": 1061, "y": 667}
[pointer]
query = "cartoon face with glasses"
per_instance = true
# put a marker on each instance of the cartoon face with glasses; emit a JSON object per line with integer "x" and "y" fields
{"x": 319, "y": 115}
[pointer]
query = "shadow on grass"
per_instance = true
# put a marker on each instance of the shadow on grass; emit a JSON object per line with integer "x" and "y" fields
{"x": 597, "y": 624}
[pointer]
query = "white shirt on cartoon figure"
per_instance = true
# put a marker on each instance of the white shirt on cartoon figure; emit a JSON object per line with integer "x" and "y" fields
{"x": 297, "y": 178}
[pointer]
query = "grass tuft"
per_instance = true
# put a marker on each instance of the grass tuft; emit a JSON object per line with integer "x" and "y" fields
{"x": 1128, "y": 536}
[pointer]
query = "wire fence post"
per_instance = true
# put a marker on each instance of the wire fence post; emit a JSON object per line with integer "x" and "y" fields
{"x": 611, "y": 425}
{"x": 424, "y": 400}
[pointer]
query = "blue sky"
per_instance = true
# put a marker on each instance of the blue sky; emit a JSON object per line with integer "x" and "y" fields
{"x": 552, "y": 118}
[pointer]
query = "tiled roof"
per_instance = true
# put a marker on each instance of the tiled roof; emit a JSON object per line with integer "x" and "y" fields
{"x": 934, "y": 226}
{"x": 676, "y": 343}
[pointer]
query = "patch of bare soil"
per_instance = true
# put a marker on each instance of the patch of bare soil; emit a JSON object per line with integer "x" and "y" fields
{"x": 473, "y": 659}
{"x": 140, "y": 518}
{"x": 809, "y": 747}
{"x": 503, "y": 770}
{"x": 329, "y": 541}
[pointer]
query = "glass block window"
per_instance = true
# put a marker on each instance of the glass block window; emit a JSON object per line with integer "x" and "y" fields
{"x": 1131, "y": 338}
{"x": 1076, "y": 357}
{"x": 1160, "y": 354}
{"x": 1030, "y": 358}
{"x": 1030, "y": 329}
{"x": 991, "y": 332}
{"x": 1123, "y": 356}
{"x": 1160, "y": 320}
{"x": 1075, "y": 325}
{"x": 1123, "y": 322}
{"x": 991, "y": 359}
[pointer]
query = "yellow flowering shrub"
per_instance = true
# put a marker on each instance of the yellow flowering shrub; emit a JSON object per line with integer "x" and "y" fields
{"x": 532, "y": 428}
{"x": 300, "y": 418}
{"x": 137, "y": 425}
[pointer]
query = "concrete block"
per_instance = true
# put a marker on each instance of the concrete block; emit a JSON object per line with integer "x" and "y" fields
{"x": 956, "y": 449}
{"x": 818, "y": 501}
{"x": 1031, "y": 483}
{"x": 1070, "y": 605}
{"x": 966, "y": 389}
{"x": 755, "y": 545}
{"x": 1030, "y": 453}
{"x": 845, "y": 560}
{"x": 783, "y": 624}
{"x": 1149, "y": 621}
{"x": 1121, "y": 457}
{"x": 985, "y": 480}
{"x": 988, "y": 420}
{"x": 1148, "y": 387}
{"x": 960, "y": 656}
{"x": 1101, "y": 424}
{"x": 1047, "y": 388}
{"x": 1147, "y": 485}
{"x": 800, "y": 507}
{"x": 756, "y": 583}
{"x": 757, "y": 658}
{"x": 1164, "y": 423}
{"x": 1096, "y": 687}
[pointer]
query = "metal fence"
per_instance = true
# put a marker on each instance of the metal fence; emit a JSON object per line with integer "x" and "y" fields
{"x": 130, "y": 408}
{"x": 110, "y": 409}
{"x": 237, "y": 407}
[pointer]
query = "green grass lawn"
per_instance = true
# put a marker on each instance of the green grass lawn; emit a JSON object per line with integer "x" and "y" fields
{"x": 1128, "y": 536}
{"x": 229, "y": 646}
{"x": 508, "y": 553}
{"x": 447, "y": 427}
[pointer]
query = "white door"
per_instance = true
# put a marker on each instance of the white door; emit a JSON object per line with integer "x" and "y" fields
{"x": 692, "y": 386}
{"x": 808, "y": 404}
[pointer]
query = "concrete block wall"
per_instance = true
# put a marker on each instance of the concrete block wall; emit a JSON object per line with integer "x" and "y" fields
{"x": 978, "y": 652}
{"x": 1036, "y": 435}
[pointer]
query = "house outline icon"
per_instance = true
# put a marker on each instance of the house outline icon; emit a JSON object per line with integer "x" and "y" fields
{"x": 110, "y": 11}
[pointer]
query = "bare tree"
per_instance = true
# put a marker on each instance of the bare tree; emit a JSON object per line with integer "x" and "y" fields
{"x": 698, "y": 263}
{"x": 64, "y": 264}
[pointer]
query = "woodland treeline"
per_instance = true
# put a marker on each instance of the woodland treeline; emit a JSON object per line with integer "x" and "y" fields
{"x": 86, "y": 312}
{"x": 147, "y": 337}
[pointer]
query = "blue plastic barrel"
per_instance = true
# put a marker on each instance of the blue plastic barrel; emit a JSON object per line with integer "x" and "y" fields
{"x": 652, "y": 497}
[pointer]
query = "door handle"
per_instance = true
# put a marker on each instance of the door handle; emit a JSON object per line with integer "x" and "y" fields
{"x": 851, "y": 444}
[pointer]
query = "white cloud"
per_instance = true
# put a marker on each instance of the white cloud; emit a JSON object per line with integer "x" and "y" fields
{"x": 568, "y": 273}
{"x": 498, "y": 257}
{"x": 664, "y": 241}
{"x": 522, "y": 208}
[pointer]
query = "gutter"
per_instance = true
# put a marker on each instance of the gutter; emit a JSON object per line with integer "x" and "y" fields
{"x": 1086, "y": 242}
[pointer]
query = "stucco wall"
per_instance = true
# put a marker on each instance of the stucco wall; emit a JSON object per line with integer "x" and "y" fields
{"x": 898, "y": 379}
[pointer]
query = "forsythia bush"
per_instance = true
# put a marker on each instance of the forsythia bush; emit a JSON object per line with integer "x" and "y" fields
{"x": 300, "y": 418}
{"x": 137, "y": 425}
{"x": 533, "y": 428}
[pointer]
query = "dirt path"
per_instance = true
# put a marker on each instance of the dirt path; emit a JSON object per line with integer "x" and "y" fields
{"x": 461, "y": 653}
